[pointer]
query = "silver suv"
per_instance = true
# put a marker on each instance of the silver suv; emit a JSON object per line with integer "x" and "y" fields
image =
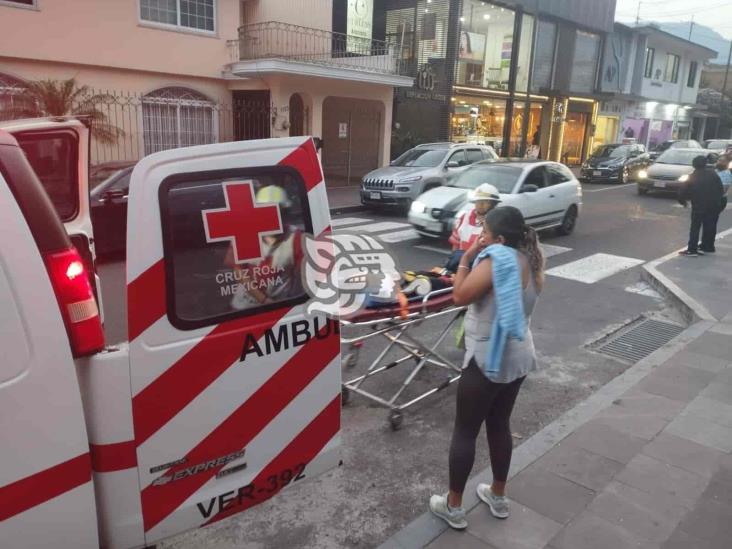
{"x": 418, "y": 170}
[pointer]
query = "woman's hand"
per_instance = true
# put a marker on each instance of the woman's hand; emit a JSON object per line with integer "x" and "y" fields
{"x": 475, "y": 248}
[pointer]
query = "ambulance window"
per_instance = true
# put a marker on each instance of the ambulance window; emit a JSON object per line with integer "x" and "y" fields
{"x": 54, "y": 158}
{"x": 233, "y": 243}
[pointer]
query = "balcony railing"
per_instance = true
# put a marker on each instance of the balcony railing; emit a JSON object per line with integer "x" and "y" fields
{"x": 277, "y": 40}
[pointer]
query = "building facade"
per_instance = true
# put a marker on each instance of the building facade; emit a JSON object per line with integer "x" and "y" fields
{"x": 653, "y": 78}
{"x": 518, "y": 75}
{"x": 172, "y": 73}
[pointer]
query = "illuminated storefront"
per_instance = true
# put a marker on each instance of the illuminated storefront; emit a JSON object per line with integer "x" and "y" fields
{"x": 485, "y": 84}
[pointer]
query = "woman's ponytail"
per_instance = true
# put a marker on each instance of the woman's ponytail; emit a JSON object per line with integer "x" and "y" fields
{"x": 530, "y": 246}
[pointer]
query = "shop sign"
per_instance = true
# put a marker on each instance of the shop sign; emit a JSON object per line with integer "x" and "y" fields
{"x": 424, "y": 86}
{"x": 558, "y": 114}
{"x": 342, "y": 130}
{"x": 359, "y": 25}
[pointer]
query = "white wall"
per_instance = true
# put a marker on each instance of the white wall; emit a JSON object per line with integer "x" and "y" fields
{"x": 660, "y": 90}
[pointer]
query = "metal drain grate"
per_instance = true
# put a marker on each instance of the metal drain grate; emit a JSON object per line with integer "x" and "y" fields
{"x": 641, "y": 340}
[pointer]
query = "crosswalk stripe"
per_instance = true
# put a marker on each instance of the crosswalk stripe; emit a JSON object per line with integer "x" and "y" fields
{"x": 399, "y": 236}
{"x": 384, "y": 226}
{"x": 550, "y": 250}
{"x": 339, "y": 222}
{"x": 594, "y": 268}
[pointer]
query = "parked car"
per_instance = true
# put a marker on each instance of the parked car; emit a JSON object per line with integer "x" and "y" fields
{"x": 720, "y": 146}
{"x": 671, "y": 170}
{"x": 662, "y": 147}
{"x": 108, "y": 206}
{"x": 616, "y": 162}
{"x": 547, "y": 193}
{"x": 418, "y": 170}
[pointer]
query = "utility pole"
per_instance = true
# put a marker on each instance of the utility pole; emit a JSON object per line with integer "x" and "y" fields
{"x": 637, "y": 15}
{"x": 724, "y": 89}
{"x": 691, "y": 27}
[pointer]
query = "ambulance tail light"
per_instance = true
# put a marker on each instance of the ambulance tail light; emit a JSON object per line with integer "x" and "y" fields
{"x": 76, "y": 300}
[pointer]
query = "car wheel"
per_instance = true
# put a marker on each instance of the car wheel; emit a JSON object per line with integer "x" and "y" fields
{"x": 642, "y": 191}
{"x": 568, "y": 221}
{"x": 624, "y": 176}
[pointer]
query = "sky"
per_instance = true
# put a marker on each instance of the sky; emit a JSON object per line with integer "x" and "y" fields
{"x": 716, "y": 14}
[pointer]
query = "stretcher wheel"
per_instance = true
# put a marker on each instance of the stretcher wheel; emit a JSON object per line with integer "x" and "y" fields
{"x": 345, "y": 396}
{"x": 396, "y": 418}
{"x": 350, "y": 360}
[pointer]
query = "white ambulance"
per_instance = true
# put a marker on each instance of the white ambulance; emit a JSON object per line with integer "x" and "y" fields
{"x": 226, "y": 392}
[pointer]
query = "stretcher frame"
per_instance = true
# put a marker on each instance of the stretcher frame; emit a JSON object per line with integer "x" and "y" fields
{"x": 395, "y": 329}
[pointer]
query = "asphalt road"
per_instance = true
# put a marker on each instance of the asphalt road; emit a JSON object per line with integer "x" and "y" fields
{"x": 387, "y": 476}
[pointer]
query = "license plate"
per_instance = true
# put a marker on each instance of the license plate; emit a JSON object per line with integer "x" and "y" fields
{"x": 375, "y": 196}
{"x": 597, "y": 173}
{"x": 659, "y": 184}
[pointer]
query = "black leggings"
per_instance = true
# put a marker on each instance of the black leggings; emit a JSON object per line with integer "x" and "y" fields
{"x": 480, "y": 400}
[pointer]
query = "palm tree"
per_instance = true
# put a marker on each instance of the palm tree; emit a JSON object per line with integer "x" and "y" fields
{"x": 65, "y": 98}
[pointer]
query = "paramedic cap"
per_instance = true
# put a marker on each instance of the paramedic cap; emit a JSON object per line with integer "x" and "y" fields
{"x": 273, "y": 194}
{"x": 485, "y": 191}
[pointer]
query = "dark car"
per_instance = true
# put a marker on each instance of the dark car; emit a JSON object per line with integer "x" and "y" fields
{"x": 108, "y": 202}
{"x": 616, "y": 162}
{"x": 662, "y": 147}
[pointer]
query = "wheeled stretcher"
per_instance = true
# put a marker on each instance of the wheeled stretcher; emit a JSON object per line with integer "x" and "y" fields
{"x": 395, "y": 325}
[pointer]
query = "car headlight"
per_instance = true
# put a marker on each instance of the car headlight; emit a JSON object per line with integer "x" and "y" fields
{"x": 417, "y": 207}
{"x": 410, "y": 179}
{"x": 684, "y": 178}
{"x": 642, "y": 174}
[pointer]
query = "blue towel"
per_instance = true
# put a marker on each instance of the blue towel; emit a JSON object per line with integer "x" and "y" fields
{"x": 510, "y": 320}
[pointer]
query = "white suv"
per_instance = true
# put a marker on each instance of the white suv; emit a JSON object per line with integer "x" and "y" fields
{"x": 419, "y": 169}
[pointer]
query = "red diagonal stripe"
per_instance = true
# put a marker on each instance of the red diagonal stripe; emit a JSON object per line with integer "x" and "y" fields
{"x": 43, "y": 486}
{"x": 161, "y": 401}
{"x": 118, "y": 456}
{"x": 236, "y": 431}
{"x": 303, "y": 448}
{"x": 305, "y": 160}
{"x": 145, "y": 300}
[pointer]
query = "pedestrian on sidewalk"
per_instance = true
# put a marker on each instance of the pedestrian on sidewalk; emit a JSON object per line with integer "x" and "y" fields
{"x": 704, "y": 190}
{"x": 499, "y": 278}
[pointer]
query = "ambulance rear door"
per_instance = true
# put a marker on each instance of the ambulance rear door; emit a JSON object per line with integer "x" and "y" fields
{"x": 235, "y": 389}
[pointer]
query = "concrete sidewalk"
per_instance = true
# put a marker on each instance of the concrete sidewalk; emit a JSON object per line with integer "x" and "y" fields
{"x": 645, "y": 462}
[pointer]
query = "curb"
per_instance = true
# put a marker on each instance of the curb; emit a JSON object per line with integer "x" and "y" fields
{"x": 690, "y": 308}
{"x": 341, "y": 210}
{"x": 427, "y": 527}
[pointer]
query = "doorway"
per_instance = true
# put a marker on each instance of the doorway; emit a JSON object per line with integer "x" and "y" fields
{"x": 251, "y": 113}
{"x": 297, "y": 115}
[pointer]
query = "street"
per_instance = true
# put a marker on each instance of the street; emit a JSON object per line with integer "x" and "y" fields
{"x": 387, "y": 476}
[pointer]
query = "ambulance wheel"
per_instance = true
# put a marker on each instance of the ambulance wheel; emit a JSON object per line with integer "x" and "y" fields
{"x": 396, "y": 418}
{"x": 345, "y": 396}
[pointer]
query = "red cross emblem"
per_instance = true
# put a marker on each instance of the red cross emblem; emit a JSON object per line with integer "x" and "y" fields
{"x": 242, "y": 222}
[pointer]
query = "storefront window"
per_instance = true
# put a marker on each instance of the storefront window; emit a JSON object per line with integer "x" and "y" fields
{"x": 486, "y": 44}
{"x": 544, "y": 57}
{"x": 584, "y": 65}
{"x": 476, "y": 120}
{"x": 574, "y": 137}
{"x": 606, "y": 130}
{"x": 517, "y": 128}
{"x": 524, "y": 56}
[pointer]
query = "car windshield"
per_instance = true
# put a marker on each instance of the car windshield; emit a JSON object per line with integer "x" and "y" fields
{"x": 676, "y": 156}
{"x": 421, "y": 158}
{"x": 613, "y": 151}
{"x": 503, "y": 178}
{"x": 663, "y": 146}
{"x": 718, "y": 145}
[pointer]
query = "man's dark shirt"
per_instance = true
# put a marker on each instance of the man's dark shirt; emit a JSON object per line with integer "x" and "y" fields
{"x": 704, "y": 189}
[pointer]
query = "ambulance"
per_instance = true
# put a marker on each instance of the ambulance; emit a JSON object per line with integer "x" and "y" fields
{"x": 226, "y": 393}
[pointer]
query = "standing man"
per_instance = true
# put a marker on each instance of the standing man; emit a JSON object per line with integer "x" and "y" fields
{"x": 704, "y": 190}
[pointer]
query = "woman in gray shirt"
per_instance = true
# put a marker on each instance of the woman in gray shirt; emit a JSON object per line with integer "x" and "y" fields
{"x": 488, "y": 396}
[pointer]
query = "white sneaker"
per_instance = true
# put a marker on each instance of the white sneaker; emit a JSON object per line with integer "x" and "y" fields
{"x": 455, "y": 517}
{"x": 497, "y": 504}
